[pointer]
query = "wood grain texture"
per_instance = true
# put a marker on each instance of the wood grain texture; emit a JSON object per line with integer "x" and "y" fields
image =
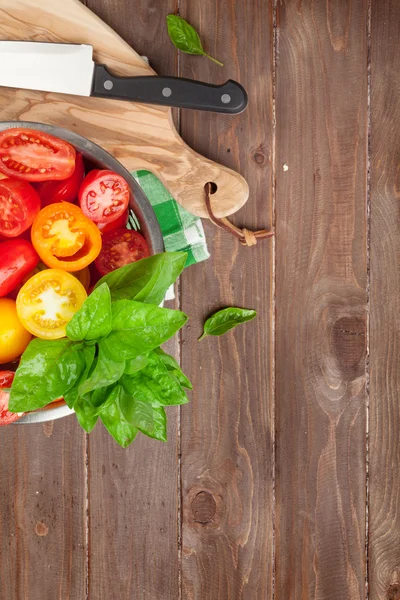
{"x": 321, "y": 100}
{"x": 42, "y": 523}
{"x": 140, "y": 136}
{"x": 133, "y": 493}
{"x": 384, "y": 455}
{"x": 227, "y": 429}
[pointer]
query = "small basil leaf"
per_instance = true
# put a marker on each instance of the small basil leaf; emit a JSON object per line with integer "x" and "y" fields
{"x": 154, "y": 384}
{"x": 185, "y": 37}
{"x": 138, "y": 328}
{"x": 114, "y": 420}
{"x": 146, "y": 280}
{"x": 151, "y": 421}
{"x": 48, "y": 369}
{"x": 135, "y": 364}
{"x": 72, "y": 394}
{"x": 106, "y": 371}
{"x": 225, "y": 319}
{"x": 172, "y": 366}
{"x": 85, "y": 413}
{"x": 93, "y": 319}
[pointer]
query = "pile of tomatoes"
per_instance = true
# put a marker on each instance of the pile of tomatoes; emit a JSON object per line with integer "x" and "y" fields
{"x": 62, "y": 227}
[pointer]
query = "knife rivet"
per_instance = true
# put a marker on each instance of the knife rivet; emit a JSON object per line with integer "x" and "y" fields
{"x": 166, "y": 92}
{"x": 108, "y": 85}
{"x": 225, "y": 98}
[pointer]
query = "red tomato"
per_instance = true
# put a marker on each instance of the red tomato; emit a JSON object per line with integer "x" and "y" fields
{"x": 34, "y": 155}
{"x": 19, "y": 205}
{"x": 104, "y": 196}
{"x": 6, "y": 379}
{"x": 65, "y": 190}
{"x": 17, "y": 259}
{"x": 120, "y": 247}
{"x": 120, "y": 222}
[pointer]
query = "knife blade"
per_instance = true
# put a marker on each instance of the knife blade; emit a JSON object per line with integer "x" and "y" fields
{"x": 70, "y": 69}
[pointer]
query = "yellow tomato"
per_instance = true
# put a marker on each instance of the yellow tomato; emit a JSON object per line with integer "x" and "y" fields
{"x": 13, "y": 336}
{"x": 48, "y": 301}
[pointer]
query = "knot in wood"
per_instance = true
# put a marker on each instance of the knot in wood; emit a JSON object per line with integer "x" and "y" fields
{"x": 349, "y": 341}
{"x": 41, "y": 529}
{"x": 393, "y": 592}
{"x": 204, "y": 508}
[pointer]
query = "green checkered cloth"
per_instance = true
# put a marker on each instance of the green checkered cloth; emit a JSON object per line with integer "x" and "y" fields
{"x": 181, "y": 230}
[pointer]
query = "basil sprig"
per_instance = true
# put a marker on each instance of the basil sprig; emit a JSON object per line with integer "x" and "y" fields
{"x": 110, "y": 366}
{"x": 185, "y": 37}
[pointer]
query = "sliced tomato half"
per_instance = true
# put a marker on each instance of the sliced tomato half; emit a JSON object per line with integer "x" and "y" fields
{"x": 121, "y": 247}
{"x": 119, "y": 223}
{"x": 6, "y": 417}
{"x": 64, "y": 238}
{"x": 33, "y": 155}
{"x": 48, "y": 301}
{"x": 104, "y": 196}
{"x": 19, "y": 205}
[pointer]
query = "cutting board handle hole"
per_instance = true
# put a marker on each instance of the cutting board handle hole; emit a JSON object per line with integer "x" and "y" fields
{"x": 213, "y": 187}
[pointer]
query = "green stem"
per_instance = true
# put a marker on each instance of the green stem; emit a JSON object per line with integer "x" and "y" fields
{"x": 214, "y": 59}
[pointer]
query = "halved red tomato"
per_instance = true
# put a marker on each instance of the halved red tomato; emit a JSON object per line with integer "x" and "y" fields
{"x": 17, "y": 259}
{"x": 104, "y": 196}
{"x": 6, "y": 417}
{"x": 19, "y": 205}
{"x": 120, "y": 222}
{"x": 34, "y": 155}
{"x": 64, "y": 238}
{"x": 48, "y": 301}
{"x": 120, "y": 247}
{"x": 65, "y": 190}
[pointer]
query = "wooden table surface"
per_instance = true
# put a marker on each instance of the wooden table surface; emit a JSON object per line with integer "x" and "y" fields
{"x": 280, "y": 479}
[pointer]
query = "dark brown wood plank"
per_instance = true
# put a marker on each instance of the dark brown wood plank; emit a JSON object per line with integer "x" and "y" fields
{"x": 321, "y": 280}
{"x": 42, "y": 524}
{"x": 133, "y": 493}
{"x": 227, "y": 430}
{"x": 384, "y": 449}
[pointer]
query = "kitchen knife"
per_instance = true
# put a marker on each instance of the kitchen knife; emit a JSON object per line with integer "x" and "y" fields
{"x": 69, "y": 69}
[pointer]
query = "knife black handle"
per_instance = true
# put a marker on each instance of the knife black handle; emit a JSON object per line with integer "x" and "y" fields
{"x": 229, "y": 97}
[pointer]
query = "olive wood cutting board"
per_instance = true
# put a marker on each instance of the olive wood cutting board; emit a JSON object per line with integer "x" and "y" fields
{"x": 139, "y": 136}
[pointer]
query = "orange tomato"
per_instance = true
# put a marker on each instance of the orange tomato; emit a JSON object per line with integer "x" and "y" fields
{"x": 48, "y": 301}
{"x": 14, "y": 338}
{"x": 64, "y": 238}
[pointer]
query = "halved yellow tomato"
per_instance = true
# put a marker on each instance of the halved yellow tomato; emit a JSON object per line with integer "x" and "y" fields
{"x": 48, "y": 301}
{"x": 13, "y": 336}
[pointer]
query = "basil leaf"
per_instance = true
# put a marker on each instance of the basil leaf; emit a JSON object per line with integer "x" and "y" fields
{"x": 48, "y": 369}
{"x": 185, "y": 37}
{"x": 85, "y": 413}
{"x": 151, "y": 421}
{"x": 146, "y": 280}
{"x": 138, "y": 328}
{"x": 72, "y": 394}
{"x": 99, "y": 397}
{"x": 114, "y": 420}
{"x": 106, "y": 371}
{"x": 154, "y": 384}
{"x": 172, "y": 366}
{"x": 135, "y": 364}
{"x": 225, "y": 319}
{"x": 93, "y": 320}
